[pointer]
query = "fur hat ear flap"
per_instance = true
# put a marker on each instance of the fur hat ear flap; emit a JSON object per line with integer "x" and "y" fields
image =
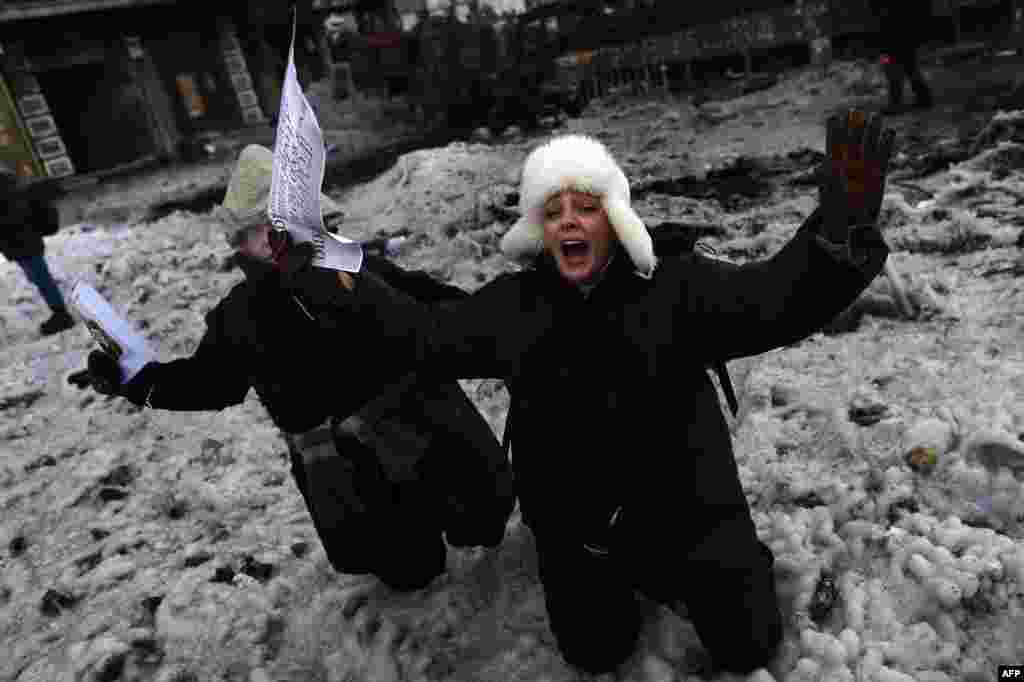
{"x": 632, "y": 234}
{"x": 524, "y": 240}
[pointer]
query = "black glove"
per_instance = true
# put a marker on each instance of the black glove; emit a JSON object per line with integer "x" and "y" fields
{"x": 104, "y": 373}
{"x": 80, "y": 379}
{"x": 858, "y": 151}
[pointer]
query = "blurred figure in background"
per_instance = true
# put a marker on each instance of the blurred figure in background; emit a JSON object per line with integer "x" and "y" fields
{"x": 25, "y": 219}
{"x": 339, "y": 38}
{"x": 902, "y": 29}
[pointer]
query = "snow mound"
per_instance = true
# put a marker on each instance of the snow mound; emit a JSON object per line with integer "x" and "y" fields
{"x": 974, "y": 206}
{"x": 426, "y": 191}
{"x": 452, "y": 202}
{"x": 912, "y": 577}
{"x": 1004, "y": 126}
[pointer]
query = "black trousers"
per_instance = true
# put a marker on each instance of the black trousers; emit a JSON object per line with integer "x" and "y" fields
{"x": 391, "y": 483}
{"x": 732, "y": 602}
{"x": 905, "y": 66}
{"x": 368, "y": 524}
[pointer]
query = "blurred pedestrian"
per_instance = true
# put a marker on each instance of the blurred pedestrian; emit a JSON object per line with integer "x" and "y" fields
{"x": 903, "y": 25}
{"x": 26, "y": 218}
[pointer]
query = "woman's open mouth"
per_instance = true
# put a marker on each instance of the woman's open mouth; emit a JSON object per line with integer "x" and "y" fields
{"x": 575, "y": 249}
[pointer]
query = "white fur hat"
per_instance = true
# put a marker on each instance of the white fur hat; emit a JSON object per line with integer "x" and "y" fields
{"x": 245, "y": 202}
{"x": 581, "y": 163}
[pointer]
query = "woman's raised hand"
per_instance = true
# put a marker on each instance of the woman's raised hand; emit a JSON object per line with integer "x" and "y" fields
{"x": 858, "y": 151}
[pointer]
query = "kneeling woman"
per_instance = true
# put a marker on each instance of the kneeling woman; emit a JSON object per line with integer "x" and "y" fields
{"x": 623, "y": 460}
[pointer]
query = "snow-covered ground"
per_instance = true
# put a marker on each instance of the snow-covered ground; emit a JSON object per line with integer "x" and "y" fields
{"x": 886, "y": 460}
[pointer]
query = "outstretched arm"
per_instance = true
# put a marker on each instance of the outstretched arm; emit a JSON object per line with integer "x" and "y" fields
{"x": 477, "y": 336}
{"x": 753, "y": 308}
{"x": 205, "y": 381}
{"x": 211, "y": 379}
{"x": 750, "y": 309}
{"x": 469, "y": 336}
{"x": 418, "y": 284}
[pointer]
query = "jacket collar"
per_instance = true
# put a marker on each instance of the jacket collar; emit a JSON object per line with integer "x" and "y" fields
{"x": 254, "y": 269}
{"x": 586, "y": 288}
{"x": 616, "y": 273}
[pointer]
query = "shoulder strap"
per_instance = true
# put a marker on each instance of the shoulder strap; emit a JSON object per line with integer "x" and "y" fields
{"x": 730, "y": 394}
{"x": 506, "y": 436}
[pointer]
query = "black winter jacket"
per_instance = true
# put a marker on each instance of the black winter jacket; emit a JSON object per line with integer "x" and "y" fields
{"x": 260, "y": 336}
{"x": 613, "y": 407}
{"x": 22, "y": 220}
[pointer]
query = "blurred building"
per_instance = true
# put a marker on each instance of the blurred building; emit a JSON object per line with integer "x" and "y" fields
{"x": 92, "y": 85}
{"x": 87, "y": 86}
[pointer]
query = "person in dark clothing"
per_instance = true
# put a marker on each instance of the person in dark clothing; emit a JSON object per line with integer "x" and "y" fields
{"x": 623, "y": 461}
{"x": 25, "y": 219}
{"x": 385, "y": 464}
{"x": 901, "y": 24}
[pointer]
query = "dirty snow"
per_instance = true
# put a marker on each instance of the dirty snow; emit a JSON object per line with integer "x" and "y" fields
{"x": 884, "y": 460}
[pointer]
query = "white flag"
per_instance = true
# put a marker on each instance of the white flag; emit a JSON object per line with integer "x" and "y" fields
{"x": 298, "y": 175}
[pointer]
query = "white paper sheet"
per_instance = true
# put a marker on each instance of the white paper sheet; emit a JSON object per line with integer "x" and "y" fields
{"x": 112, "y": 332}
{"x": 298, "y": 175}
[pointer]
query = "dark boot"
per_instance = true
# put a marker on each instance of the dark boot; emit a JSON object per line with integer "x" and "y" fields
{"x": 61, "y": 320}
